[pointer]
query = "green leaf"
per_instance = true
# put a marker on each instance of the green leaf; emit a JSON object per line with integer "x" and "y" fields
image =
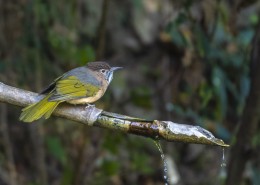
{"x": 140, "y": 162}
{"x": 245, "y": 37}
{"x": 90, "y": 53}
{"x": 256, "y": 140}
{"x": 202, "y": 41}
{"x": 110, "y": 167}
{"x": 219, "y": 82}
{"x": 85, "y": 55}
{"x": 254, "y": 19}
{"x": 206, "y": 94}
{"x": 67, "y": 176}
{"x": 56, "y": 149}
{"x": 141, "y": 96}
{"x": 111, "y": 139}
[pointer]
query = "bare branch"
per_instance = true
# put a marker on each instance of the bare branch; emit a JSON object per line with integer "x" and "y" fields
{"x": 92, "y": 116}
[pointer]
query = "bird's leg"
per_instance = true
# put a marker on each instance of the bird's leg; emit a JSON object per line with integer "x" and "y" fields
{"x": 92, "y": 113}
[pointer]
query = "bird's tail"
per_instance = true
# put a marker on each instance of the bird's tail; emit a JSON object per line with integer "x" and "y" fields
{"x": 38, "y": 110}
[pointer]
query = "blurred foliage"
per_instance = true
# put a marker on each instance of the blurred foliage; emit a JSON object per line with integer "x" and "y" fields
{"x": 56, "y": 149}
{"x": 185, "y": 61}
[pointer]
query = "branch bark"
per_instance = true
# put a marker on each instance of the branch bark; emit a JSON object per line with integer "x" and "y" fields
{"x": 92, "y": 116}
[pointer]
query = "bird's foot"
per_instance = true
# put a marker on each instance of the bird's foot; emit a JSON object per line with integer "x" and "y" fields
{"x": 88, "y": 106}
{"x": 92, "y": 113}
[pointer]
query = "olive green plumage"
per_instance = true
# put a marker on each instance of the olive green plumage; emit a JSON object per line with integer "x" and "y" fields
{"x": 80, "y": 85}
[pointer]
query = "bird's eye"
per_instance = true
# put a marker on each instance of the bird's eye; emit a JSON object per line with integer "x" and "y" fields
{"x": 103, "y": 71}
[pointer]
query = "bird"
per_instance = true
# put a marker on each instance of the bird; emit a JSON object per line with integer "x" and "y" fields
{"x": 82, "y": 85}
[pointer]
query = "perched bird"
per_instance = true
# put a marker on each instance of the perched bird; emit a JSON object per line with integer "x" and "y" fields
{"x": 82, "y": 85}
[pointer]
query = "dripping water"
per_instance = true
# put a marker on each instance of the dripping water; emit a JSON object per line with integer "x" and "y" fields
{"x": 165, "y": 168}
{"x": 223, "y": 161}
{"x": 223, "y": 173}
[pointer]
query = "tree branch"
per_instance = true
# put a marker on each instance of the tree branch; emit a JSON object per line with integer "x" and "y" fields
{"x": 92, "y": 116}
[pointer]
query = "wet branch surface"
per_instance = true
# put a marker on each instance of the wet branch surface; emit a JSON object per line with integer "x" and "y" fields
{"x": 92, "y": 116}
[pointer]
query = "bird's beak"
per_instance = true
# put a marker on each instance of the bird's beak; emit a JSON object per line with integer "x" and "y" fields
{"x": 115, "y": 68}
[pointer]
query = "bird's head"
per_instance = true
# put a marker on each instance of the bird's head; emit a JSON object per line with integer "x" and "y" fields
{"x": 103, "y": 68}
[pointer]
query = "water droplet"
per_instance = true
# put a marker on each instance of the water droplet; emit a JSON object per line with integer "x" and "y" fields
{"x": 223, "y": 162}
{"x": 165, "y": 168}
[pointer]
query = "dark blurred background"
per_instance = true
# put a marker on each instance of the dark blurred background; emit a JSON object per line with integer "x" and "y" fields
{"x": 185, "y": 61}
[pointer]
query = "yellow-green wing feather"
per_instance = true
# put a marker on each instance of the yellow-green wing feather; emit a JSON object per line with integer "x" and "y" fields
{"x": 71, "y": 88}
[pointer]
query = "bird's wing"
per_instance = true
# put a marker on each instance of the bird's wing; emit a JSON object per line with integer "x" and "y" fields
{"x": 71, "y": 88}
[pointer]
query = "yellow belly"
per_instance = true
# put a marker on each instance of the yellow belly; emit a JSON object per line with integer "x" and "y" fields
{"x": 87, "y": 100}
